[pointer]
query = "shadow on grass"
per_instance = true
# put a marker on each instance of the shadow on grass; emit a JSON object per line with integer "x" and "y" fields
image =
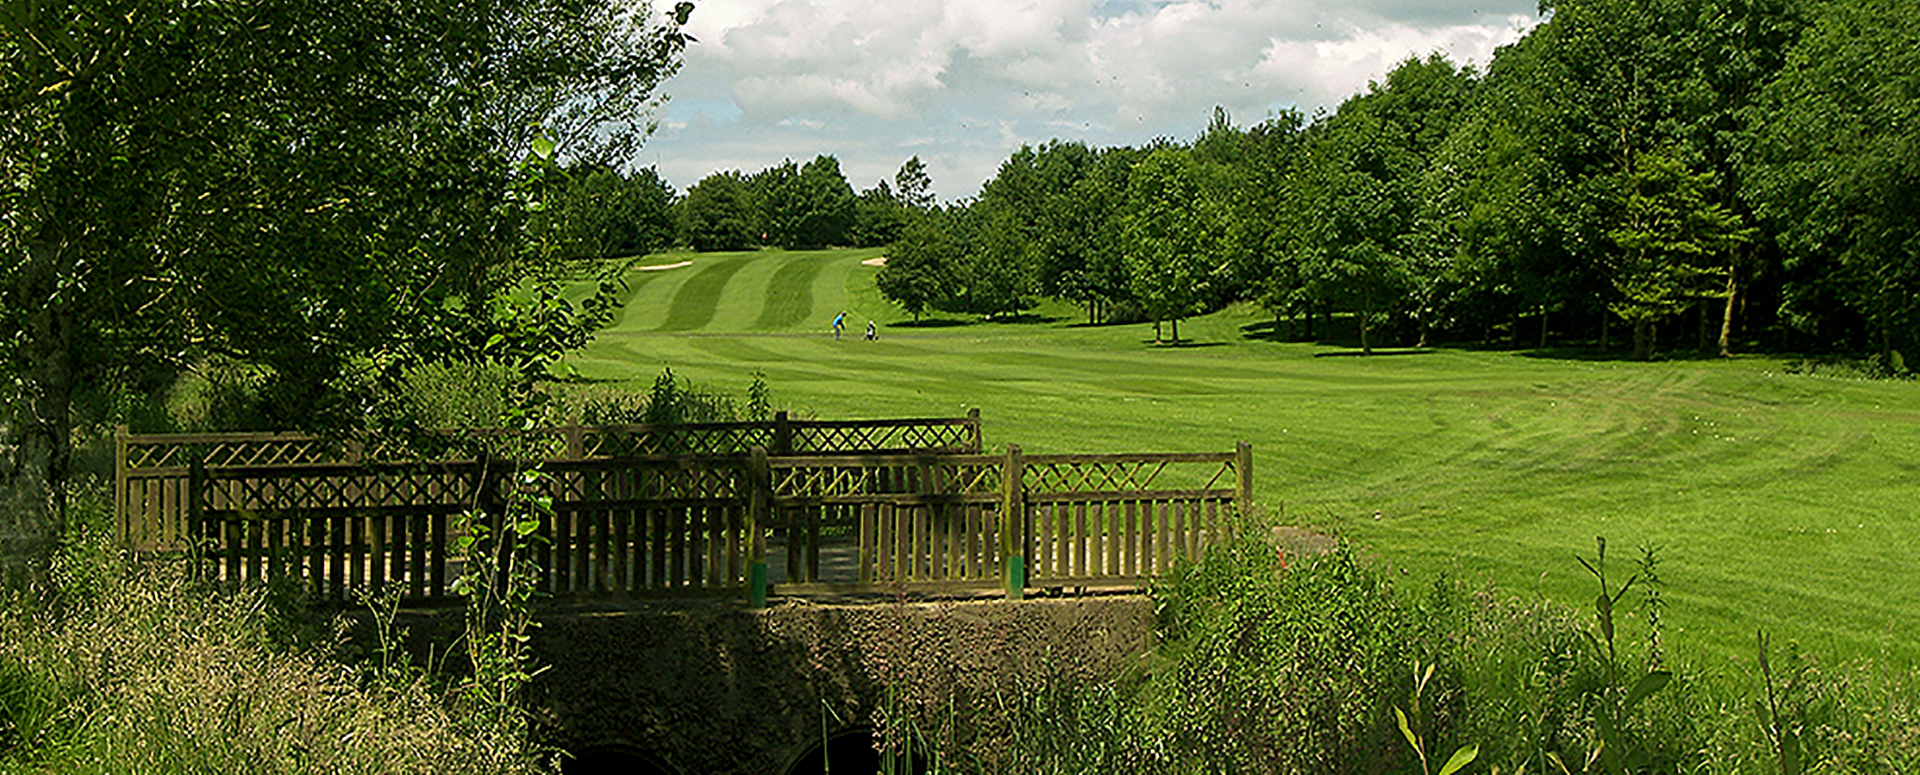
{"x": 1377, "y": 351}
{"x": 931, "y": 323}
{"x": 1183, "y": 344}
{"x": 1024, "y": 319}
{"x": 1591, "y": 353}
{"x": 1268, "y": 332}
{"x": 1107, "y": 323}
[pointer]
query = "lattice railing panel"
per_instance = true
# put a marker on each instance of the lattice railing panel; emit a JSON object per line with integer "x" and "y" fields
{"x": 361, "y": 490}
{"x": 292, "y": 450}
{"x": 646, "y": 483}
{"x": 838, "y": 438}
{"x": 667, "y": 440}
{"x": 833, "y": 481}
{"x": 1128, "y": 475}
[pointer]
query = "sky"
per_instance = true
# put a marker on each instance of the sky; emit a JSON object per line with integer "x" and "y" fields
{"x": 962, "y": 84}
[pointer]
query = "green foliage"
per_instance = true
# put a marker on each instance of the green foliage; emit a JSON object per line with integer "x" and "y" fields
{"x": 346, "y": 198}
{"x": 915, "y": 187}
{"x": 1460, "y": 758}
{"x": 600, "y": 212}
{"x": 1674, "y": 243}
{"x": 1832, "y": 164}
{"x": 807, "y": 206}
{"x": 922, "y": 271}
{"x": 719, "y": 214}
{"x": 1298, "y": 665}
{"x": 879, "y": 218}
{"x": 1614, "y": 700}
{"x": 1170, "y": 234}
{"x": 999, "y": 267}
{"x": 133, "y": 666}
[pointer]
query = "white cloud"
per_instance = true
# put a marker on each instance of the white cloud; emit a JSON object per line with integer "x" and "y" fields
{"x": 962, "y": 83}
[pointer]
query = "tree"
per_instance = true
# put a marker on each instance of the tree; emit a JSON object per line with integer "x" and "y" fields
{"x": 914, "y": 186}
{"x": 823, "y": 203}
{"x": 337, "y": 199}
{"x": 1000, "y": 264}
{"x": 1060, "y": 220}
{"x": 920, "y": 273}
{"x": 719, "y": 214}
{"x": 1835, "y": 174}
{"x": 805, "y": 207}
{"x": 600, "y": 213}
{"x": 1170, "y": 234}
{"x": 878, "y": 218}
{"x": 1673, "y": 241}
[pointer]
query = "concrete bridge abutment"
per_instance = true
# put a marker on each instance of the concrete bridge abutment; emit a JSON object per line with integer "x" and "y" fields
{"x": 711, "y": 686}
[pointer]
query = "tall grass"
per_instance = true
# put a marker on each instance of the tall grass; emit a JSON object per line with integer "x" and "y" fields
{"x": 1271, "y": 666}
{"x": 132, "y": 666}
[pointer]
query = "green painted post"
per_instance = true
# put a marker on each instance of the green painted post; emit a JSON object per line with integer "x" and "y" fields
{"x": 759, "y": 498}
{"x": 1013, "y": 519}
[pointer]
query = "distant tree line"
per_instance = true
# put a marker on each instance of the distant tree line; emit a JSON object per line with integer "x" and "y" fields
{"x": 793, "y": 206}
{"x": 1697, "y": 174}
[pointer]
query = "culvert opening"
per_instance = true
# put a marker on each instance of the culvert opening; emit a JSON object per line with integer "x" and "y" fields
{"x": 614, "y": 760}
{"x": 852, "y": 753}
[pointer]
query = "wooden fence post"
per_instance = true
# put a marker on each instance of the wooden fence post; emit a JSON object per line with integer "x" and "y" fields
{"x": 1013, "y": 513}
{"x": 973, "y": 431}
{"x": 1243, "y": 489}
{"x": 122, "y": 516}
{"x": 198, "y": 535}
{"x": 759, "y": 503}
{"x": 782, "y": 434}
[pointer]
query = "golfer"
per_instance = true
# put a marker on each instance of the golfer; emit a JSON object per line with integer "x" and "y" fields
{"x": 839, "y": 322}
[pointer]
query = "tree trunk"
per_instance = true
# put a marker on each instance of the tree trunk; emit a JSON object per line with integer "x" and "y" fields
{"x": 1310, "y": 336}
{"x": 34, "y": 434}
{"x": 1706, "y": 328}
{"x": 1726, "y": 316}
{"x": 1366, "y": 314}
{"x": 1156, "y": 331}
{"x": 1642, "y": 340}
{"x": 1176, "y": 330}
{"x": 1543, "y": 328}
{"x": 1604, "y": 320}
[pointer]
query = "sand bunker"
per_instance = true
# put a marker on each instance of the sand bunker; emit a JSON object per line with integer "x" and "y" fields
{"x": 881, "y": 261}
{"x": 663, "y": 266}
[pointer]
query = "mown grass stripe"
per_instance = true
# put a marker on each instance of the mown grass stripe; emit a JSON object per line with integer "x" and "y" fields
{"x": 694, "y": 304}
{"x": 788, "y": 302}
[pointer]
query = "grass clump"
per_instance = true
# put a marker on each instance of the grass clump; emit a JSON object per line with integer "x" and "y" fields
{"x": 133, "y": 666}
{"x": 1272, "y": 666}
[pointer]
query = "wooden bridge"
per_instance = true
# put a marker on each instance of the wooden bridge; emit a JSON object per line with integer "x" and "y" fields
{"x": 684, "y": 509}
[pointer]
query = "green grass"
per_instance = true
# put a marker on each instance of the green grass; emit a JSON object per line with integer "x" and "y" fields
{"x": 1781, "y": 501}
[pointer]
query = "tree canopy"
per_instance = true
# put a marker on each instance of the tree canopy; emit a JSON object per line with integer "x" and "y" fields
{"x": 334, "y": 192}
{"x": 1742, "y": 167}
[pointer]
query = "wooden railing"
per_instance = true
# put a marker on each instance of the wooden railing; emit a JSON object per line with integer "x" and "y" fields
{"x": 882, "y": 521}
{"x": 151, "y": 471}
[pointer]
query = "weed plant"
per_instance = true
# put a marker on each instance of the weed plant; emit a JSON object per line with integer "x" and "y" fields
{"x": 1271, "y": 666}
{"x": 133, "y": 666}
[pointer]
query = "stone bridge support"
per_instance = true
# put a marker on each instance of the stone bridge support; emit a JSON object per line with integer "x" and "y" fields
{"x": 711, "y": 687}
